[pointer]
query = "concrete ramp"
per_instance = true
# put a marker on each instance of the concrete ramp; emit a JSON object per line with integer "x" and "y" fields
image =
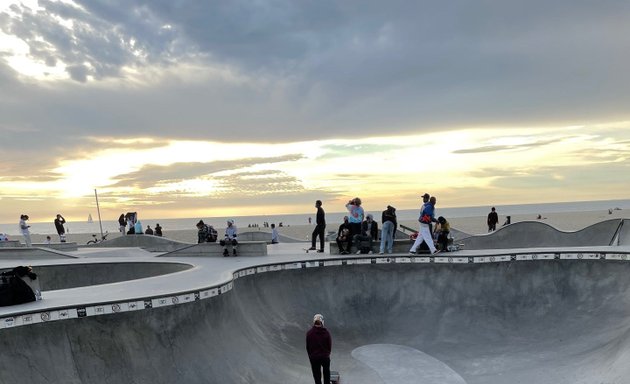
{"x": 554, "y": 321}
{"x": 532, "y": 234}
{"x": 31, "y": 253}
{"x": 147, "y": 242}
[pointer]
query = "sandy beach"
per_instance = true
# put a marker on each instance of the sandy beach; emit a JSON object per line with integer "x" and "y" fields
{"x": 565, "y": 221}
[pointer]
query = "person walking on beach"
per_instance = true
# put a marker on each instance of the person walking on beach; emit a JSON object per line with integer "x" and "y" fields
{"x": 320, "y": 227}
{"x": 158, "y": 230}
{"x": 427, "y": 216}
{"x": 61, "y": 231}
{"x": 356, "y": 216}
{"x": 318, "y": 347}
{"x": 24, "y": 230}
{"x": 388, "y": 218}
{"x": 493, "y": 219}
{"x": 230, "y": 238}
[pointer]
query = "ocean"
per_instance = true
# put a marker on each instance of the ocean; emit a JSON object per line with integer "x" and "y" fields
{"x": 331, "y": 217}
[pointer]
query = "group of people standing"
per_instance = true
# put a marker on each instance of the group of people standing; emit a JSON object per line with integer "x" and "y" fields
{"x": 361, "y": 230}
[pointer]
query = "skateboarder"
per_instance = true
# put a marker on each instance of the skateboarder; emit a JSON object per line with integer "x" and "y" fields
{"x": 318, "y": 347}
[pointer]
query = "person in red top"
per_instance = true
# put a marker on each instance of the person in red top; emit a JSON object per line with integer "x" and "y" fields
{"x": 318, "y": 347}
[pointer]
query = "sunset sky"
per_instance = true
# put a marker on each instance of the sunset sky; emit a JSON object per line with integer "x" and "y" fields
{"x": 210, "y": 108}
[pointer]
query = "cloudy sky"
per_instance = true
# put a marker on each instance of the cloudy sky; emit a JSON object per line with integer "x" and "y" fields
{"x": 209, "y": 108}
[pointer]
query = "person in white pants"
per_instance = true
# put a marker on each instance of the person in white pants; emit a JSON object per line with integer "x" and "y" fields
{"x": 24, "y": 229}
{"x": 427, "y": 216}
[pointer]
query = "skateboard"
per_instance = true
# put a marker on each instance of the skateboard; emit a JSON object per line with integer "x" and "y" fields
{"x": 334, "y": 377}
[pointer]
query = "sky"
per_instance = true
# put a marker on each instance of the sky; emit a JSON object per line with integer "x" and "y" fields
{"x": 227, "y": 108}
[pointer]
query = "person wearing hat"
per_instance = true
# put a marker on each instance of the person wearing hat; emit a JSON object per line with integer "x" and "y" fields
{"x": 24, "y": 230}
{"x": 318, "y": 347}
{"x": 230, "y": 238}
{"x": 427, "y": 216}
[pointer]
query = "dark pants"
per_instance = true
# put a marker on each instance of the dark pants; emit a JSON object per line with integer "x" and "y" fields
{"x": 343, "y": 244}
{"x": 317, "y": 363}
{"x": 318, "y": 231}
{"x": 443, "y": 241}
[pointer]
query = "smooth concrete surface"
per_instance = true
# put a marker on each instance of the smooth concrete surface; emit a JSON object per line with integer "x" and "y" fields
{"x": 10, "y": 244}
{"x": 532, "y": 234}
{"x": 31, "y": 253}
{"x": 68, "y": 246}
{"x": 556, "y": 321}
{"x": 525, "y": 319}
{"x": 147, "y": 242}
{"x": 244, "y": 248}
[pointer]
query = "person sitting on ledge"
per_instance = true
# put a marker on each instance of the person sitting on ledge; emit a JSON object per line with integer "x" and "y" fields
{"x": 343, "y": 237}
{"x": 230, "y": 239}
{"x": 369, "y": 234}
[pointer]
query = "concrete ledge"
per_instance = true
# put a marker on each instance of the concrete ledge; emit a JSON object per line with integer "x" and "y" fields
{"x": 400, "y": 246}
{"x": 146, "y": 242}
{"x": 10, "y": 244}
{"x": 58, "y": 246}
{"x": 30, "y": 253}
{"x": 245, "y": 248}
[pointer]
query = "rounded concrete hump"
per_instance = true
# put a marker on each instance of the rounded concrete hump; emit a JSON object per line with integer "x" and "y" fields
{"x": 404, "y": 365}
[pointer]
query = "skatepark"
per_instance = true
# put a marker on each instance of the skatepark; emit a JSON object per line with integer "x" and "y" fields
{"x": 526, "y": 304}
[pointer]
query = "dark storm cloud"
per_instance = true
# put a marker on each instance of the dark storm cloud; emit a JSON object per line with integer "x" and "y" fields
{"x": 325, "y": 68}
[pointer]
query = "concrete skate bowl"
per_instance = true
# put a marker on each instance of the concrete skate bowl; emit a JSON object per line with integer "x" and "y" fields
{"x": 562, "y": 321}
{"x": 64, "y": 276}
{"x": 531, "y": 234}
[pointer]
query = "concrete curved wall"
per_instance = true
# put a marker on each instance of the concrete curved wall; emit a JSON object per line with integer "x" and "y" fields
{"x": 559, "y": 321}
{"x": 527, "y": 234}
{"x": 53, "y": 277}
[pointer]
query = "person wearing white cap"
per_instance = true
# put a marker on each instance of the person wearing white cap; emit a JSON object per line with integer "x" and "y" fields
{"x": 318, "y": 347}
{"x": 230, "y": 238}
{"x": 427, "y": 216}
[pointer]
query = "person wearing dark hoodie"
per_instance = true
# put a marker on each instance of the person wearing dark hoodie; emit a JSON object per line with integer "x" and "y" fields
{"x": 318, "y": 347}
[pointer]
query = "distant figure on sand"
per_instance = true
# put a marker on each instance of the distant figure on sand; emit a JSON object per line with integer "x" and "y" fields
{"x": 158, "y": 230}
{"x": 230, "y": 238}
{"x": 320, "y": 228}
{"x": 61, "y": 231}
{"x": 318, "y": 347}
{"x": 427, "y": 216}
{"x": 149, "y": 231}
{"x": 274, "y": 234}
{"x": 24, "y": 230}
{"x": 493, "y": 219}
{"x": 388, "y": 219}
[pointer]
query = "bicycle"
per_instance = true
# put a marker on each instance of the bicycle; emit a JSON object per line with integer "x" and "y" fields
{"x": 96, "y": 240}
